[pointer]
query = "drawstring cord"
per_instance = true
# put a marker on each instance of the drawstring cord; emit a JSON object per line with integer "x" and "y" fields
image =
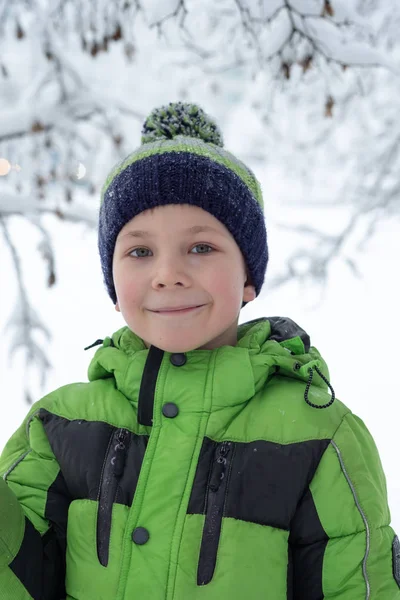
{"x": 309, "y": 385}
{"x": 108, "y": 341}
{"x": 96, "y": 343}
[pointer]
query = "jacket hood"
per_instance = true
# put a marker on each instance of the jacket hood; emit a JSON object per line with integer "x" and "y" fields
{"x": 265, "y": 346}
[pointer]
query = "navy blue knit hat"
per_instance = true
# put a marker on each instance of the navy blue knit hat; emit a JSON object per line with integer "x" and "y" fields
{"x": 182, "y": 161}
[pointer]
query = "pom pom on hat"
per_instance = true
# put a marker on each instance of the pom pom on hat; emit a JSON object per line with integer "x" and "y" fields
{"x": 179, "y": 118}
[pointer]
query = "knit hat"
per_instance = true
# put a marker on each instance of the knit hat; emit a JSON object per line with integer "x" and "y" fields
{"x": 182, "y": 161}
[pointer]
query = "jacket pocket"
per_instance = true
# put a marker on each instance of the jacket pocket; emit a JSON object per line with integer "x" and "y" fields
{"x": 113, "y": 469}
{"x": 215, "y": 502}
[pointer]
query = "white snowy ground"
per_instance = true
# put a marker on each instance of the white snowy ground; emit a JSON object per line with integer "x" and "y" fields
{"x": 355, "y": 325}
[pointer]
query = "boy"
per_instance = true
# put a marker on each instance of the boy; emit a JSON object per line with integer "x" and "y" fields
{"x": 203, "y": 459}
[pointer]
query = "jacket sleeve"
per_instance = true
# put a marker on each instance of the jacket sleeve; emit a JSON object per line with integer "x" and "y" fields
{"x": 341, "y": 545}
{"x": 33, "y": 515}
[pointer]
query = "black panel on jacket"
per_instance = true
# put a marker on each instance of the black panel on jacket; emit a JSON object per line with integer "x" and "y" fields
{"x": 56, "y": 512}
{"x": 197, "y": 501}
{"x": 137, "y": 445}
{"x": 38, "y": 565}
{"x": 54, "y": 553}
{"x": 80, "y": 448}
{"x": 307, "y": 543}
{"x": 57, "y": 504}
{"x": 306, "y": 527}
{"x": 307, "y": 571}
{"x": 148, "y": 386}
{"x": 267, "y": 480}
{"x": 28, "y": 564}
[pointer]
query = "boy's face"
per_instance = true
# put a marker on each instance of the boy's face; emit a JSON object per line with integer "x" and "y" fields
{"x": 170, "y": 267}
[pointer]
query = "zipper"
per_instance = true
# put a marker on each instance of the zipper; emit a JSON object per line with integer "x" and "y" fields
{"x": 113, "y": 469}
{"x": 216, "y": 493}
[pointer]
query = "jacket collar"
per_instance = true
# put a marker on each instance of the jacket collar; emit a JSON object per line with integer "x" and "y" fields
{"x": 265, "y": 346}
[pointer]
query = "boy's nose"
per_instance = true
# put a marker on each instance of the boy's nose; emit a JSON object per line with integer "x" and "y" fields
{"x": 170, "y": 275}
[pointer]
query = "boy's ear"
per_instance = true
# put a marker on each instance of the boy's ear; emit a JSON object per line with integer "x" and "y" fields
{"x": 249, "y": 291}
{"x": 117, "y": 307}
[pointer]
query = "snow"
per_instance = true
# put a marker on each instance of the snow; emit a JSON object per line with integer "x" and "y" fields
{"x": 336, "y": 45}
{"x": 271, "y": 38}
{"x": 157, "y": 12}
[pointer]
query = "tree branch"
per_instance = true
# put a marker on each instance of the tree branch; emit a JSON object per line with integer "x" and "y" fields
{"x": 25, "y": 320}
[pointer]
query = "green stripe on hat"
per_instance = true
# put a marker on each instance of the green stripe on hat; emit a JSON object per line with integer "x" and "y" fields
{"x": 192, "y": 146}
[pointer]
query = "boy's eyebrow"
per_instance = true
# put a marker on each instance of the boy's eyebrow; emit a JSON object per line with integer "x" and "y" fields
{"x": 194, "y": 229}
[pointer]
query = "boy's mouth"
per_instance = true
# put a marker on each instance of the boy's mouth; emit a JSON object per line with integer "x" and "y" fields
{"x": 177, "y": 311}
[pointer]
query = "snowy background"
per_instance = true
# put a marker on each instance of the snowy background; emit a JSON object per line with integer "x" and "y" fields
{"x": 323, "y": 144}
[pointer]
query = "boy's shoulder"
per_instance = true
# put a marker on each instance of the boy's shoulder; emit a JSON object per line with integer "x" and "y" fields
{"x": 95, "y": 401}
{"x": 287, "y": 411}
{"x": 88, "y": 401}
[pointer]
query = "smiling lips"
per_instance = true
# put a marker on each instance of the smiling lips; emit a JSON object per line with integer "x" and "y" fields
{"x": 177, "y": 311}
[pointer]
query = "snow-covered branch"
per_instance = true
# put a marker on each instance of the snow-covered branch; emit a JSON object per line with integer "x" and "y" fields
{"x": 24, "y": 321}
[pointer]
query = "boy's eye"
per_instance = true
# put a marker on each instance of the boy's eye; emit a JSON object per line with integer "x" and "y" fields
{"x": 140, "y": 250}
{"x": 202, "y": 246}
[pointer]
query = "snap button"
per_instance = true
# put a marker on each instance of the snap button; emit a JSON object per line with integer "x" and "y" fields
{"x": 170, "y": 410}
{"x": 140, "y": 535}
{"x": 178, "y": 359}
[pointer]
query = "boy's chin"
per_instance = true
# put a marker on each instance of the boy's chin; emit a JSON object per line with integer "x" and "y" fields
{"x": 175, "y": 347}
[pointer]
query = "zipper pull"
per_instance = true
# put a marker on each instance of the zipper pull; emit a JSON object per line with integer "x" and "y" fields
{"x": 219, "y": 467}
{"x": 223, "y": 451}
{"x": 118, "y": 460}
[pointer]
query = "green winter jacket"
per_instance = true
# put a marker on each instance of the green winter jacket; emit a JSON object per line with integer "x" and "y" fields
{"x": 209, "y": 475}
